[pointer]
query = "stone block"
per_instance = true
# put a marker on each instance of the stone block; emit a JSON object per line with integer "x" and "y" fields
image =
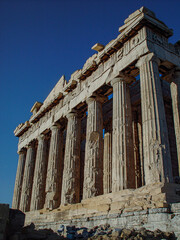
{"x": 159, "y": 197}
{"x": 103, "y": 207}
{"x": 132, "y": 209}
{"x": 159, "y": 210}
{"x": 117, "y": 205}
{"x": 175, "y": 207}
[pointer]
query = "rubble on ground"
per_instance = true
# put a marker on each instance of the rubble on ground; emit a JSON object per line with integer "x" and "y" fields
{"x": 98, "y": 232}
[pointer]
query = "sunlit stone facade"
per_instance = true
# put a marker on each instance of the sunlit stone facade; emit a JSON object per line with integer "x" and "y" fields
{"x": 113, "y": 126}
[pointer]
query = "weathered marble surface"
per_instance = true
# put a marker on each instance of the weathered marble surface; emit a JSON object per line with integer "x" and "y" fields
{"x": 39, "y": 182}
{"x": 175, "y": 93}
{"x": 93, "y": 169}
{"x": 143, "y": 207}
{"x": 71, "y": 173}
{"x": 123, "y": 174}
{"x": 54, "y": 169}
{"x": 157, "y": 159}
{"x": 19, "y": 179}
{"x": 28, "y": 178}
{"x": 107, "y": 163}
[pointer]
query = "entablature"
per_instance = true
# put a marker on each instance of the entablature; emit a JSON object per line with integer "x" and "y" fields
{"x": 21, "y": 128}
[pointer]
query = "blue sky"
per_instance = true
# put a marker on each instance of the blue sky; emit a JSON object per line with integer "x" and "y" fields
{"x": 40, "y": 40}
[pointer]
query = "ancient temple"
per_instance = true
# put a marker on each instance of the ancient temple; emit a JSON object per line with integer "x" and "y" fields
{"x": 112, "y": 130}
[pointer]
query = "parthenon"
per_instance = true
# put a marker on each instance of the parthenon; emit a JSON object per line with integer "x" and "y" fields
{"x": 112, "y": 127}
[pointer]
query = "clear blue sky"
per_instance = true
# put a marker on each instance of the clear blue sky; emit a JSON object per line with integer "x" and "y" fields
{"x": 40, "y": 40}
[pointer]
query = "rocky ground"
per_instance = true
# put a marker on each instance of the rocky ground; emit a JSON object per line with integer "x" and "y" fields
{"x": 97, "y": 232}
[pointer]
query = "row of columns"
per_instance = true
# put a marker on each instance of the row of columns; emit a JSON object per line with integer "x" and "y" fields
{"x": 55, "y": 177}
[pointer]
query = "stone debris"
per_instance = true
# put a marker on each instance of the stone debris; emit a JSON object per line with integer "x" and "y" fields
{"x": 108, "y": 232}
{"x": 104, "y": 231}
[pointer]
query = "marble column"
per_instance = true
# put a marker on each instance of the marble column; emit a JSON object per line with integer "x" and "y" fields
{"x": 140, "y": 138}
{"x": 28, "y": 178}
{"x": 71, "y": 173}
{"x": 137, "y": 160}
{"x": 54, "y": 170}
{"x": 19, "y": 179}
{"x": 123, "y": 172}
{"x": 39, "y": 182}
{"x": 175, "y": 94}
{"x": 107, "y": 163}
{"x": 93, "y": 169}
{"x": 156, "y": 151}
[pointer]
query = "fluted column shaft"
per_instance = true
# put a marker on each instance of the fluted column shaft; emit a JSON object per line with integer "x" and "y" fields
{"x": 107, "y": 163}
{"x": 123, "y": 173}
{"x": 28, "y": 178}
{"x": 71, "y": 172}
{"x": 54, "y": 170}
{"x": 156, "y": 152}
{"x": 175, "y": 94}
{"x": 39, "y": 182}
{"x": 137, "y": 159}
{"x": 19, "y": 179}
{"x": 93, "y": 169}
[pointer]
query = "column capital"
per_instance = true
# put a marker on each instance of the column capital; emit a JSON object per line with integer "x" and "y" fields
{"x": 117, "y": 79}
{"x": 122, "y": 78}
{"x": 41, "y": 137}
{"x": 146, "y": 58}
{"x": 21, "y": 151}
{"x": 55, "y": 127}
{"x": 30, "y": 145}
{"x": 71, "y": 114}
{"x": 96, "y": 98}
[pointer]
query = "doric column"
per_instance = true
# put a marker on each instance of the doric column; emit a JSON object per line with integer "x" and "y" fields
{"x": 39, "y": 182}
{"x": 54, "y": 170}
{"x": 28, "y": 178}
{"x": 93, "y": 169}
{"x": 71, "y": 172}
{"x": 123, "y": 173}
{"x": 156, "y": 152}
{"x": 175, "y": 94}
{"x": 19, "y": 179}
{"x": 140, "y": 138}
{"x": 137, "y": 159}
{"x": 107, "y": 163}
